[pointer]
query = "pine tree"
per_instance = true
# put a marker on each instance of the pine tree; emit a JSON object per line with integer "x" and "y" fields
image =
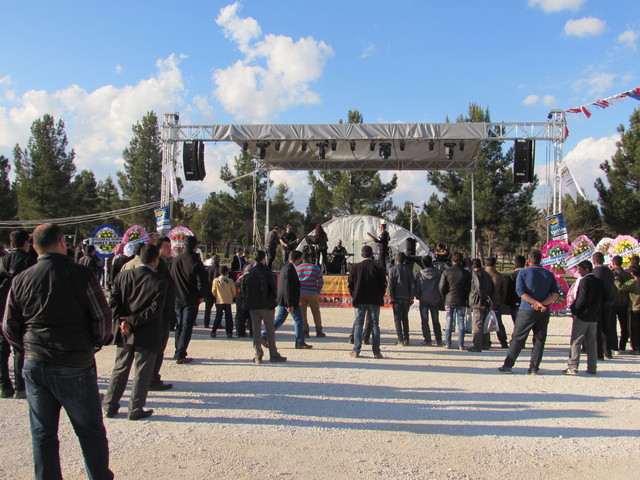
{"x": 620, "y": 201}
{"x": 503, "y": 208}
{"x": 44, "y": 171}
{"x": 8, "y": 202}
{"x": 140, "y": 181}
{"x": 583, "y": 218}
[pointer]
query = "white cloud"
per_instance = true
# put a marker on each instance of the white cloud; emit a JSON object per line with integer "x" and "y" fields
{"x": 549, "y": 100}
{"x": 533, "y": 99}
{"x": 551, "y": 6}
{"x": 530, "y": 100}
{"x": 597, "y": 84}
{"x": 98, "y": 123}
{"x": 118, "y": 68}
{"x": 202, "y": 104}
{"x": 629, "y": 39}
{"x": 585, "y": 158}
{"x": 274, "y": 74}
{"x": 368, "y": 51}
{"x": 584, "y": 27}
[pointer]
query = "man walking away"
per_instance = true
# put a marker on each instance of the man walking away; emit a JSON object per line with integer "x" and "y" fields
{"x": 367, "y": 285}
{"x": 191, "y": 283}
{"x": 401, "y": 296}
{"x": 311, "y": 283}
{"x": 480, "y": 303}
{"x": 537, "y": 288}
{"x": 137, "y": 302}
{"x": 11, "y": 265}
{"x": 498, "y": 299}
{"x": 58, "y": 316}
{"x": 606, "y": 327}
{"x": 224, "y": 290}
{"x": 585, "y": 311}
{"x": 259, "y": 291}
{"x": 427, "y": 292}
{"x": 455, "y": 284}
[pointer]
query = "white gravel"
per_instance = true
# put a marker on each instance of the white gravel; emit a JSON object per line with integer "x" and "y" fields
{"x": 419, "y": 413}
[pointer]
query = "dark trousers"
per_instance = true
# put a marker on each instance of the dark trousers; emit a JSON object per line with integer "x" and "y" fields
{"x": 186, "y": 314}
{"x": 271, "y": 256}
{"x": 609, "y": 333}
{"x": 527, "y": 321}
{"x": 401, "y": 318}
{"x": 243, "y": 320}
{"x": 224, "y": 309}
{"x": 502, "y": 332}
{"x": 622, "y": 314}
{"x": 143, "y": 361}
{"x": 634, "y": 330}
{"x": 425, "y": 310}
{"x": 209, "y": 302}
{"x": 18, "y": 362}
{"x": 50, "y": 388}
{"x": 166, "y": 330}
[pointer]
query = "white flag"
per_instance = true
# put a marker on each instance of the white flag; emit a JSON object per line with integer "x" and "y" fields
{"x": 169, "y": 172}
{"x": 570, "y": 182}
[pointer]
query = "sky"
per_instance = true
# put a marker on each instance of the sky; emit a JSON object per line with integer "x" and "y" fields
{"x": 101, "y": 67}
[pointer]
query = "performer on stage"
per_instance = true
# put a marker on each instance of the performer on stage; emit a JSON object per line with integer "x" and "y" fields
{"x": 339, "y": 259}
{"x": 321, "y": 239}
{"x": 289, "y": 241}
{"x": 383, "y": 245}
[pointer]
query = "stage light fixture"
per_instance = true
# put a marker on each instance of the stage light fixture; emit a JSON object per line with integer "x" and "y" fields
{"x": 245, "y": 146}
{"x": 276, "y": 145}
{"x": 402, "y": 145}
{"x": 448, "y": 150}
{"x": 322, "y": 149}
{"x": 372, "y": 146}
{"x": 385, "y": 150}
{"x": 352, "y": 145}
{"x": 176, "y": 118}
{"x": 304, "y": 146}
{"x": 432, "y": 145}
{"x": 262, "y": 149}
{"x": 461, "y": 145}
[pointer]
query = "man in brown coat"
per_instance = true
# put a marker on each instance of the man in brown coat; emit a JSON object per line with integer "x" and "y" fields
{"x": 498, "y": 298}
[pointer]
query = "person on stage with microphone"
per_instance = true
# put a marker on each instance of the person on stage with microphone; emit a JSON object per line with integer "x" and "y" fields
{"x": 383, "y": 245}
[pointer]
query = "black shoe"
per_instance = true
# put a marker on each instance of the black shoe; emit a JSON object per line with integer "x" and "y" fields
{"x": 242, "y": 335}
{"x": 7, "y": 392}
{"x": 366, "y": 342}
{"x": 110, "y": 412}
{"x": 474, "y": 349}
{"x": 304, "y": 346}
{"x": 213, "y": 334}
{"x": 426, "y": 343}
{"x": 257, "y": 359}
{"x": 306, "y": 335}
{"x": 532, "y": 371}
{"x": 141, "y": 414}
{"x": 351, "y": 340}
{"x": 278, "y": 358}
{"x": 160, "y": 387}
{"x": 505, "y": 369}
{"x": 321, "y": 334}
{"x": 229, "y": 335}
{"x": 20, "y": 395}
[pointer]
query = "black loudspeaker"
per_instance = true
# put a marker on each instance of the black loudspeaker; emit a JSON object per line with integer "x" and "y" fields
{"x": 523, "y": 161}
{"x": 410, "y": 246}
{"x": 193, "y": 160}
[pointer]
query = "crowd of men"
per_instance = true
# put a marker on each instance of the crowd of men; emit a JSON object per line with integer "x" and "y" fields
{"x": 56, "y": 316}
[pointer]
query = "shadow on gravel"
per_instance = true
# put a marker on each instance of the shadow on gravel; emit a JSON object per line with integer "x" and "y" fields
{"x": 446, "y": 411}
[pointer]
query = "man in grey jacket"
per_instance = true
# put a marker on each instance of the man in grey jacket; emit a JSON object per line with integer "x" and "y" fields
{"x": 427, "y": 291}
{"x": 480, "y": 303}
{"x": 401, "y": 296}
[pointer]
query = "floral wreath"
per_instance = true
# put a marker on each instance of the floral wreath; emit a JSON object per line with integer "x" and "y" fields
{"x": 620, "y": 245}
{"x": 177, "y": 236}
{"x": 581, "y": 249}
{"x": 107, "y": 237}
{"x": 135, "y": 234}
{"x": 561, "y": 302}
{"x": 555, "y": 253}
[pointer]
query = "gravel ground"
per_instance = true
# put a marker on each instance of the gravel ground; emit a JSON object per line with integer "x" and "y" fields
{"x": 419, "y": 413}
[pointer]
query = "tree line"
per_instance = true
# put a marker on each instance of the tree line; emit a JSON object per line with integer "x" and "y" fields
{"x": 47, "y": 185}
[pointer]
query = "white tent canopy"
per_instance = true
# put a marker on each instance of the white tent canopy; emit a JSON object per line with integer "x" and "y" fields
{"x": 353, "y": 230}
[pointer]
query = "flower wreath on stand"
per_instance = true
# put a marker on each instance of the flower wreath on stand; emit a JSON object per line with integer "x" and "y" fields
{"x": 581, "y": 248}
{"x": 603, "y": 247}
{"x": 623, "y": 246}
{"x": 105, "y": 238}
{"x": 135, "y": 234}
{"x": 554, "y": 256}
{"x": 177, "y": 236}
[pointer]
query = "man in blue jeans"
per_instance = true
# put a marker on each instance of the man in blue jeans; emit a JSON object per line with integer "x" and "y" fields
{"x": 58, "y": 316}
{"x": 191, "y": 282}
{"x": 288, "y": 300}
{"x": 455, "y": 285}
{"x": 537, "y": 288}
{"x": 367, "y": 284}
